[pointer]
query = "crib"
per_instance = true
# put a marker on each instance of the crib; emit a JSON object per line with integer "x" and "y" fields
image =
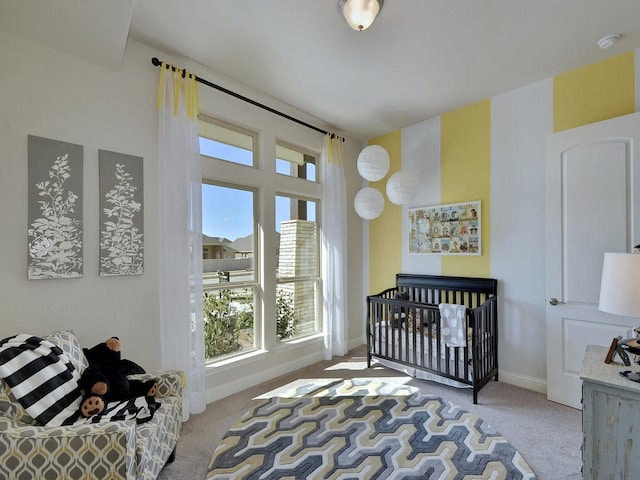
{"x": 404, "y": 329}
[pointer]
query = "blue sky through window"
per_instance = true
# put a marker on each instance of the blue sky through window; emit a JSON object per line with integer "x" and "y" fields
{"x": 214, "y": 149}
{"x": 228, "y": 212}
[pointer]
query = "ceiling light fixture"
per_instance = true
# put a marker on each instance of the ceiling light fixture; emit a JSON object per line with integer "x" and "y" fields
{"x": 608, "y": 40}
{"x": 360, "y": 14}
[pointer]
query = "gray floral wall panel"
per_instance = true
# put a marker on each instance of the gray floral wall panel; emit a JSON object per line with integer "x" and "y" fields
{"x": 121, "y": 214}
{"x": 55, "y": 209}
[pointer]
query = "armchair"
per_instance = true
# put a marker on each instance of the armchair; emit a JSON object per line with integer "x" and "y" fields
{"x": 114, "y": 449}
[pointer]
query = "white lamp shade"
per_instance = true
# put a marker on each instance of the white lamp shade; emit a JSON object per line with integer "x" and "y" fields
{"x": 369, "y": 203}
{"x": 373, "y": 163}
{"x": 402, "y": 186}
{"x": 620, "y": 285}
{"x": 360, "y": 14}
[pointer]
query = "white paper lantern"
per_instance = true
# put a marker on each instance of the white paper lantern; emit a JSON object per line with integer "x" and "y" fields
{"x": 373, "y": 163}
{"x": 369, "y": 203}
{"x": 402, "y": 187}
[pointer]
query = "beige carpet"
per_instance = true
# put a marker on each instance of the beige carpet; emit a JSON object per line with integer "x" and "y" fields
{"x": 546, "y": 434}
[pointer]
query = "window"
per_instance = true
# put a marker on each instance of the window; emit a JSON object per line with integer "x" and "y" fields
{"x": 220, "y": 141}
{"x": 234, "y": 200}
{"x": 298, "y": 267}
{"x": 294, "y": 163}
{"x": 229, "y": 274}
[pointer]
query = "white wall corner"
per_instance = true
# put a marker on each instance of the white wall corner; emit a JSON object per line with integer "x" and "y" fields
{"x": 358, "y": 342}
{"x": 529, "y": 383}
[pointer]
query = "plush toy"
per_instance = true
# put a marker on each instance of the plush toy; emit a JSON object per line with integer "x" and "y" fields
{"x": 105, "y": 379}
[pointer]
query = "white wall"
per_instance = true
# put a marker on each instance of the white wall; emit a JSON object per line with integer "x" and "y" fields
{"x": 421, "y": 157}
{"x": 53, "y": 95}
{"x": 520, "y": 121}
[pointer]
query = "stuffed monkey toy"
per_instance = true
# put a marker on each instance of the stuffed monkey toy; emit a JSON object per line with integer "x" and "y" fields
{"x": 105, "y": 380}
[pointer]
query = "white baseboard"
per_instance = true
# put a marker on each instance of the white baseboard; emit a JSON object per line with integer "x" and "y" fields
{"x": 523, "y": 381}
{"x": 229, "y": 388}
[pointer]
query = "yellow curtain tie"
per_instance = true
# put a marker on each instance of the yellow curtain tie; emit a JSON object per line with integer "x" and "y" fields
{"x": 176, "y": 77}
{"x": 197, "y": 97}
{"x": 333, "y": 147}
{"x": 161, "y": 85}
{"x": 190, "y": 90}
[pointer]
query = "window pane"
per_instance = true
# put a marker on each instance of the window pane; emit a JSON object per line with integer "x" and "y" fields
{"x": 228, "y": 321}
{"x": 297, "y": 289}
{"x": 225, "y": 144}
{"x": 296, "y": 224}
{"x": 228, "y": 236}
{"x": 294, "y": 163}
{"x": 296, "y": 309}
{"x": 311, "y": 171}
{"x": 228, "y": 261}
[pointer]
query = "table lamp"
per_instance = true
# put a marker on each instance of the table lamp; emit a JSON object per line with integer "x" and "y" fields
{"x": 620, "y": 291}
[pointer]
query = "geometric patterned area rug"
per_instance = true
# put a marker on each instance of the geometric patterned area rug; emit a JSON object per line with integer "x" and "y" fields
{"x": 362, "y": 429}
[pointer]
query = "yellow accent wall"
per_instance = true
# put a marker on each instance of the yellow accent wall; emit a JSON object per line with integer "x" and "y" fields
{"x": 466, "y": 176}
{"x": 589, "y": 94}
{"x": 593, "y": 93}
{"x": 385, "y": 232}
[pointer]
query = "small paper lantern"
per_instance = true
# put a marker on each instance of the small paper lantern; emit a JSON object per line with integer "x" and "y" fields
{"x": 369, "y": 203}
{"x": 402, "y": 187}
{"x": 373, "y": 163}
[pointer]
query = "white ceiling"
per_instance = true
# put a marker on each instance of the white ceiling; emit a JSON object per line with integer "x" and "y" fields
{"x": 420, "y": 58}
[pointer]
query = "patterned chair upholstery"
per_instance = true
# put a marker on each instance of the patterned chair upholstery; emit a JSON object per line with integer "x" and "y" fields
{"x": 113, "y": 450}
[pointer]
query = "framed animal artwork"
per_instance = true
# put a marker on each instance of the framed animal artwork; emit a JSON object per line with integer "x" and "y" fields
{"x": 452, "y": 229}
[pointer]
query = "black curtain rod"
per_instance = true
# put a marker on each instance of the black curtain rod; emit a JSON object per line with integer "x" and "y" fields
{"x": 158, "y": 63}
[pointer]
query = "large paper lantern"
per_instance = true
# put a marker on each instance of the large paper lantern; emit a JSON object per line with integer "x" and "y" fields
{"x": 368, "y": 203}
{"x": 402, "y": 186}
{"x": 373, "y": 163}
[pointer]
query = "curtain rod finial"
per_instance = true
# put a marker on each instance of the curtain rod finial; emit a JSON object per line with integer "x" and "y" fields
{"x": 155, "y": 61}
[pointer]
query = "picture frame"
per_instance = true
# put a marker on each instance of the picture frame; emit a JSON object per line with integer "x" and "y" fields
{"x": 121, "y": 193}
{"x": 451, "y": 229}
{"x": 55, "y": 209}
{"x": 612, "y": 349}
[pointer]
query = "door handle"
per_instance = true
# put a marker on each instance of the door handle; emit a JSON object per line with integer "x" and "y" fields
{"x": 554, "y": 301}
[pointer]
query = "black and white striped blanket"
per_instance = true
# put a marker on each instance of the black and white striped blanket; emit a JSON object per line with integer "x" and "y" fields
{"x": 45, "y": 382}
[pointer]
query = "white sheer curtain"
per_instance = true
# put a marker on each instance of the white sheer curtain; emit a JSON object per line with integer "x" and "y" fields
{"x": 334, "y": 243}
{"x": 180, "y": 235}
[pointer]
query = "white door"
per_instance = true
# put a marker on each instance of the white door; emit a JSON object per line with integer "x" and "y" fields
{"x": 592, "y": 207}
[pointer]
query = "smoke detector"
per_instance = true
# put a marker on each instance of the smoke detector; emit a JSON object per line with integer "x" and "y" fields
{"x": 608, "y": 41}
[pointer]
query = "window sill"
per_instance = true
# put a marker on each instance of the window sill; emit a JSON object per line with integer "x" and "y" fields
{"x": 236, "y": 360}
{"x": 256, "y": 355}
{"x": 301, "y": 341}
